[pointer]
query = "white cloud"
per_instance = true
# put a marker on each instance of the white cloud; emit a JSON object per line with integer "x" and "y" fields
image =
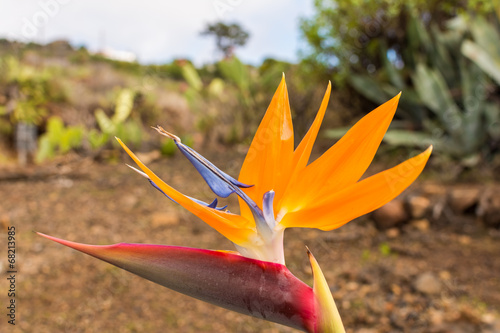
{"x": 158, "y": 31}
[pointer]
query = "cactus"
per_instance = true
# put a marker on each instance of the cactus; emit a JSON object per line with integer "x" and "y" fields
{"x": 124, "y": 104}
{"x": 120, "y": 124}
{"x": 29, "y": 93}
{"x": 484, "y": 51}
{"x": 452, "y": 86}
{"x": 58, "y": 139}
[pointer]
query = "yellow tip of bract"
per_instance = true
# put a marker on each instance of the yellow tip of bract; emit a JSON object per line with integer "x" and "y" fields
{"x": 328, "y": 316}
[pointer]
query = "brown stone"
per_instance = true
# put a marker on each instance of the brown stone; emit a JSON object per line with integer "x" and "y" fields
{"x": 434, "y": 189}
{"x": 418, "y": 206}
{"x": 489, "y": 207}
{"x": 390, "y": 215}
{"x": 445, "y": 275}
{"x": 422, "y": 224}
{"x": 427, "y": 283}
{"x": 392, "y": 232}
{"x": 461, "y": 199}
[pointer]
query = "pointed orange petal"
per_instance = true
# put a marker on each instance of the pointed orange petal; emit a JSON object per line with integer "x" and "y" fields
{"x": 340, "y": 207}
{"x": 236, "y": 228}
{"x": 267, "y": 165}
{"x": 345, "y": 162}
{"x": 303, "y": 152}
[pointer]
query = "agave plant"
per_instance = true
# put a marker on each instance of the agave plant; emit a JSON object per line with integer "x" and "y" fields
{"x": 277, "y": 189}
{"x": 449, "y": 98}
{"x": 119, "y": 124}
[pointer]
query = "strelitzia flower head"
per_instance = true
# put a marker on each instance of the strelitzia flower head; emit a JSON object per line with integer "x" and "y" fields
{"x": 277, "y": 189}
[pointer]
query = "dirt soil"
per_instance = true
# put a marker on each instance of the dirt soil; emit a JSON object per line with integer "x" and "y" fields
{"x": 436, "y": 278}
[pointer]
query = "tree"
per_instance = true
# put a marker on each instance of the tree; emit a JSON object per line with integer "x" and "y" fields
{"x": 227, "y": 36}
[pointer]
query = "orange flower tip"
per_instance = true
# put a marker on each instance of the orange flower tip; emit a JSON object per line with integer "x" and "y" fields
{"x": 396, "y": 98}
{"x": 426, "y": 153}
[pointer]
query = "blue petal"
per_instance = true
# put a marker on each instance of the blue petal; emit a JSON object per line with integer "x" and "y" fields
{"x": 220, "y": 183}
{"x": 211, "y": 205}
{"x": 268, "y": 209}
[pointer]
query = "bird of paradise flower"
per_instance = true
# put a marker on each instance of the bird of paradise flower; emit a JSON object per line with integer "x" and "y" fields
{"x": 277, "y": 189}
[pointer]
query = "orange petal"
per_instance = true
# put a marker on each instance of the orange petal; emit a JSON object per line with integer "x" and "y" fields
{"x": 345, "y": 162}
{"x": 340, "y": 207}
{"x": 303, "y": 152}
{"x": 268, "y": 164}
{"x": 236, "y": 228}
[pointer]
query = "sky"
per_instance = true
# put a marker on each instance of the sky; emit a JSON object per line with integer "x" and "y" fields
{"x": 159, "y": 31}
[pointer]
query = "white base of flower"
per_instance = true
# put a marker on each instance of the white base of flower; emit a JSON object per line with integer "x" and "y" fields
{"x": 266, "y": 250}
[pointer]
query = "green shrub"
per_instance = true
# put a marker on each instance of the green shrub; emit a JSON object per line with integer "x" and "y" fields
{"x": 58, "y": 139}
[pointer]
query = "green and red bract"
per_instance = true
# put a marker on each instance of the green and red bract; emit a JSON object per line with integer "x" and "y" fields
{"x": 258, "y": 288}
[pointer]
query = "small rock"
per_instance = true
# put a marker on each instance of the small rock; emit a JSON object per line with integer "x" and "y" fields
{"x": 427, "y": 283}
{"x": 161, "y": 219}
{"x": 409, "y": 298}
{"x": 364, "y": 290}
{"x": 434, "y": 189}
{"x": 461, "y": 199}
{"x": 470, "y": 315}
{"x": 5, "y": 222}
{"x": 495, "y": 326}
{"x": 495, "y": 234}
{"x": 488, "y": 318}
{"x": 396, "y": 290}
{"x": 489, "y": 207}
{"x": 346, "y": 305}
{"x": 392, "y": 232}
{"x": 351, "y": 286}
{"x": 422, "y": 224}
{"x": 418, "y": 206}
{"x": 390, "y": 215}
{"x": 64, "y": 182}
{"x": 445, "y": 275}
{"x": 436, "y": 317}
{"x": 464, "y": 239}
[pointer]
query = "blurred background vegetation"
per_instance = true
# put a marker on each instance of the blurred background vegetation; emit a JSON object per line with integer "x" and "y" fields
{"x": 443, "y": 55}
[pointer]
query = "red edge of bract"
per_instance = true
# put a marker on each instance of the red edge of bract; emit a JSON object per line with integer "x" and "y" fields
{"x": 257, "y": 288}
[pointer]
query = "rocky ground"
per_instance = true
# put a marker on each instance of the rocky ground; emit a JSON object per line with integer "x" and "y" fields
{"x": 429, "y": 262}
